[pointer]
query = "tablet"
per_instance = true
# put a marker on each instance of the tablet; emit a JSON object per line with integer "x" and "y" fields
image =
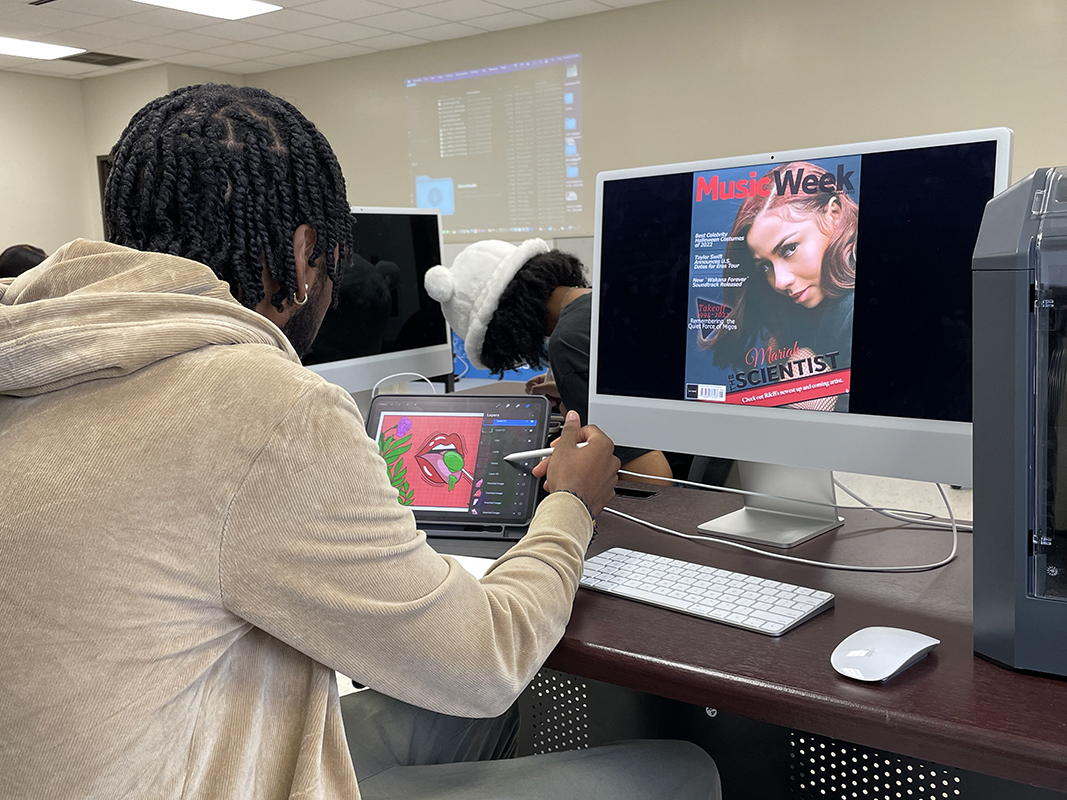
{"x": 444, "y": 454}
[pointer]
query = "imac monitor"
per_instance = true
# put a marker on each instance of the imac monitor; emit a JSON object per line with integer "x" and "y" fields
{"x": 800, "y": 311}
{"x": 384, "y": 323}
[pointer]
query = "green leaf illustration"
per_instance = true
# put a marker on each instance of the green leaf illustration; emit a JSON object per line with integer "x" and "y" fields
{"x": 391, "y": 443}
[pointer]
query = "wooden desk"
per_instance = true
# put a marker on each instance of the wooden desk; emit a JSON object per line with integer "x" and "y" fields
{"x": 952, "y": 707}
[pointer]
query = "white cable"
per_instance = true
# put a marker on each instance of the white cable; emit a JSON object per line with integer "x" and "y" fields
{"x": 748, "y": 493}
{"x": 466, "y": 365}
{"x": 930, "y": 520}
{"x": 374, "y": 388}
{"x": 781, "y": 556}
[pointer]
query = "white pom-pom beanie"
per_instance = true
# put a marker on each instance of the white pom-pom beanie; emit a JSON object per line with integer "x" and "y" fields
{"x": 469, "y": 291}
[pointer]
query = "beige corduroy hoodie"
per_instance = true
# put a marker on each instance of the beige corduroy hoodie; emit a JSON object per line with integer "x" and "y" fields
{"x": 195, "y": 532}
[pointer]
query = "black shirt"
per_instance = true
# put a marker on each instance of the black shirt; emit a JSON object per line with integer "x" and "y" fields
{"x": 568, "y": 355}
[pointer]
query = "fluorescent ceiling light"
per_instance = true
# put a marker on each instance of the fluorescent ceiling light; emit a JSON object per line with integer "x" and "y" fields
{"x": 222, "y": 9}
{"x": 24, "y": 48}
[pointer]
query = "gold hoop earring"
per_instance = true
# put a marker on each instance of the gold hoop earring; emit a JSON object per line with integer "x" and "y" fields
{"x": 301, "y": 302}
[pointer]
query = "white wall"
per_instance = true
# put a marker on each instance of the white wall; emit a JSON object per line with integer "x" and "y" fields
{"x": 52, "y": 130}
{"x": 682, "y": 80}
{"x": 42, "y": 161}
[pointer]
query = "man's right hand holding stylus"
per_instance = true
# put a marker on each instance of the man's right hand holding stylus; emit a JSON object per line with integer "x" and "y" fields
{"x": 591, "y": 472}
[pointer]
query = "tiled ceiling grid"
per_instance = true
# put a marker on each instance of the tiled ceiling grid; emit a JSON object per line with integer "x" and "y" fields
{"x": 303, "y": 32}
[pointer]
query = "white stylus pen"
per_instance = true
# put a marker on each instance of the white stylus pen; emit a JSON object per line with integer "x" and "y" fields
{"x": 544, "y": 452}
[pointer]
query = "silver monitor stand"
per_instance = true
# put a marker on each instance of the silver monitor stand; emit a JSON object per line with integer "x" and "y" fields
{"x": 778, "y": 521}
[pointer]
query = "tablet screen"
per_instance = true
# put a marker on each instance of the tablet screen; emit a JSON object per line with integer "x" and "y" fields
{"x": 444, "y": 454}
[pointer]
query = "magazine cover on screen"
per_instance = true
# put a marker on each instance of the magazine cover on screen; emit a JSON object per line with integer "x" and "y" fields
{"x": 772, "y": 276}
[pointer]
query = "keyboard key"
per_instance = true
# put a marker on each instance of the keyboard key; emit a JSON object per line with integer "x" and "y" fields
{"x": 745, "y": 601}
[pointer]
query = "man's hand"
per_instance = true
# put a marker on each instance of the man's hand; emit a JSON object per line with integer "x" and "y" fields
{"x": 543, "y": 384}
{"x": 591, "y": 472}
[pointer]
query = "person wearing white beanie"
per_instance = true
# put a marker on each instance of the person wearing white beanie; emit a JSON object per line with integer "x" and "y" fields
{"x": 470, "y": 290}
{"x": 506, "y": 300}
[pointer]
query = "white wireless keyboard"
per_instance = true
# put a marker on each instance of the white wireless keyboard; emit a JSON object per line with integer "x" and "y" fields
{"x": 733, "y": 598}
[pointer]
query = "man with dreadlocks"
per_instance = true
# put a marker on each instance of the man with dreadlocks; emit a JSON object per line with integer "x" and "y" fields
{"x": 527, "y": 304}
{"x": 197, "y": 531}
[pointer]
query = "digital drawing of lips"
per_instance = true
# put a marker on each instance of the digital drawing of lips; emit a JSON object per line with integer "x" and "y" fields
{"x": 441, "y": 459}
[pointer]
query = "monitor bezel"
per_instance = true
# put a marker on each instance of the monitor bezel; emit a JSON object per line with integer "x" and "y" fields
{"x": 918, "y": 449}
{"x": 366, "y": 372}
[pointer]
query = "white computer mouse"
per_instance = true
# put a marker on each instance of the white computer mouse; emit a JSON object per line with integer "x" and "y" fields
{"x": 877, "y": 654}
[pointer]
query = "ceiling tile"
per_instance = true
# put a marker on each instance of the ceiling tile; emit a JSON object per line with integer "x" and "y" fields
{"x": 49, "y": 16}
{"x": 460, "y": 10}
{"x": 291, "y": 42}
{"x": 125, "y": 29}
{"x": 346, "y": 9}
{"x": 400, "y": 21}
{"x": 20, "y": 30}
{"x": 169, "y": 18}
{"x": 291, "y": 20}
{"x": 521, "y": 4}
{"x": 246, "y": 51}
{"x": 237, "y": 31}
{"x": 187, "y": 40}
{"x": 295, "y": 59}
{"x": 148, "y": 51}
{"x": 346, "y": 32}
{"x": 109, "y": 9}
{"x": 568, "y": 8}
{"x": 250, "y": 67}
{"x": 404, "y": 3}
{"x": 134, "y": 65}
{"x": 233, "y": 68}
{"x": 105, "y": 71}
{"x": 87, "y": 41}
{"x": 201, "y": 60}
{"x": 344, "y": 50}
{"x": 447, "y": 30}
{"x": 509, "y": 19}
{"x": 304, "y": 32}
{"x": 392, "y": 41}
{"x": 68, "y": 68}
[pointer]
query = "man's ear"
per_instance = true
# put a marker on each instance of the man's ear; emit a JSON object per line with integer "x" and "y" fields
{"x": 303, "y": 246}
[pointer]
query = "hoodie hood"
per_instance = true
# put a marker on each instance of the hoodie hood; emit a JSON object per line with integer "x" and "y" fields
{"x": 95, "y": 310}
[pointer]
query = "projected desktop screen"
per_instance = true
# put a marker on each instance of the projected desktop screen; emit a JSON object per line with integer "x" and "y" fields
{"x": 851, "y": 291}
{"x": 499, "y": 149}
{"x": 383, "y": 307}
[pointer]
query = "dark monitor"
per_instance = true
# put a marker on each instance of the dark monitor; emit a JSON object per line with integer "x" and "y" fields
{"x": 385, "y": 323}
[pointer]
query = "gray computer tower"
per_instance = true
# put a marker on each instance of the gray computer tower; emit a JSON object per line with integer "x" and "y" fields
{"x": 1020, "y": 426}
